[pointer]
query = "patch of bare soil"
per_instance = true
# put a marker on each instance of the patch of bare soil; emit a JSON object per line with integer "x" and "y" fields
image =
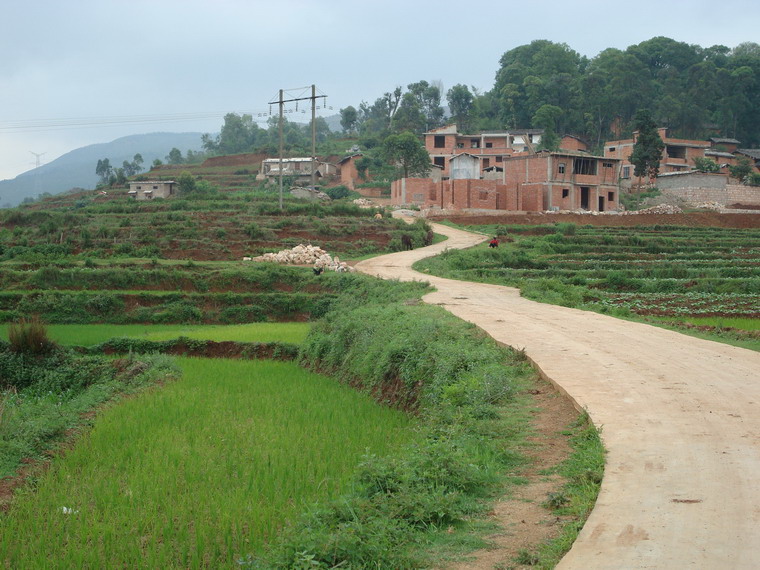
{"x": 523, "y": 520}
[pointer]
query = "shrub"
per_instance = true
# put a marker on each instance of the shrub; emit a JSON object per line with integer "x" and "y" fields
{"x": 29, "y": 337}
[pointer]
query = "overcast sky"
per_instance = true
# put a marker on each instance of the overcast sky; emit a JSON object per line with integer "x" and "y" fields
{"x": 142, "y": 66}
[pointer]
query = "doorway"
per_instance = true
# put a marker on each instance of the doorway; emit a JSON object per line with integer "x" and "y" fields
{"x": 601, "y": 203}
{"x": 584, "y": 197}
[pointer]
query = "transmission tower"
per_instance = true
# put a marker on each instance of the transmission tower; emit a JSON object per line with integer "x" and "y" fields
{"x": 37, "y": 156}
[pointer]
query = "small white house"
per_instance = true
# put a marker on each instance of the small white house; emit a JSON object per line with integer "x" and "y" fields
{"x": 149, "y": 189}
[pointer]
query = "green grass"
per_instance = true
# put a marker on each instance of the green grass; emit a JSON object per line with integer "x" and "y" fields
{"x": 726, "y": 322}
{"x": 203, "y": 471}
{"x": 87, "y": 335}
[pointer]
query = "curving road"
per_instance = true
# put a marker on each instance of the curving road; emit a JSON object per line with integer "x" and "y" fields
{"x": 680, "y": 419}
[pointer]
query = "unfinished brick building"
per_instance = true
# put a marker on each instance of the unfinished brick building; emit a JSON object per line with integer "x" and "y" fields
{"x": 563, "y": 180}
{"x": 491, "y": 147}
{"x": 678, "y": 154}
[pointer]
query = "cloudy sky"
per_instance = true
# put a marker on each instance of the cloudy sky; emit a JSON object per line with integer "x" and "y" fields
{"x": 86, "y": 71}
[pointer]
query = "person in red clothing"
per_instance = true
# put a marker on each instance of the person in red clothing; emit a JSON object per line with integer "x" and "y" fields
{"x": 494, "y": 242}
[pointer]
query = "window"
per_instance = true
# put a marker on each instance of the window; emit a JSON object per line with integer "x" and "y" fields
{"x": 610, "y": 196}
{"x": 474, "y": 143}
{"x": 139, "y": 187}
{"x": 155, "y": 188}
{"x": 565, "y": 192}
{"x": 460, "y": 145}
{"x": 626, "y": 172}
{"x": 439, "y": 161}
{"x": 612, "y": 149}
{"x": 561, "y": 168}
{"x": 499, "y": 159}
{"x": 607, "y": 165}
{"x": 439, "y": 141}
{"x": 676, "y": 151}
{"x": 486, "y": 162}
{"x": 489, "y": 145}
{"x": 584, "y": 166}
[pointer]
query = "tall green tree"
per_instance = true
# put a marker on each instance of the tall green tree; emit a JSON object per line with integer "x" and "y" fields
{"x": 175, "y": 157}
{"x": 460, "y": 100}
{"x": 104, "y": 170}
{"x": 407, "y": 152}
{"x": 547, "y": 118}
{"x": 648, "y": 148}
{"x": 349, "y": 118}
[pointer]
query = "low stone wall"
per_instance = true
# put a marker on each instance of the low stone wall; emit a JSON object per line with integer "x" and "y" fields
{"x": 731, "y": 194}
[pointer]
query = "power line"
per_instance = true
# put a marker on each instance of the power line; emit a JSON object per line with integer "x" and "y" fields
{"x": 41, "y": 125}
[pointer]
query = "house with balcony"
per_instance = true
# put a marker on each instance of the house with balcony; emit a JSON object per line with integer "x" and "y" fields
{"x": 678, "y": 155}
{"x": 491, "y": 148}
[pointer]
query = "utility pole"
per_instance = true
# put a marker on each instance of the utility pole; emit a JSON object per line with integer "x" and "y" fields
{"x": 281, "y": 102}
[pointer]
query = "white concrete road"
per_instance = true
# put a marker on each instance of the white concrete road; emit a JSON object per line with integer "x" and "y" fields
{"x": 680, "y": 419}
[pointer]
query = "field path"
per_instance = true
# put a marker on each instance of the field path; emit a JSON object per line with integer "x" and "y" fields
{"x": 680, "y": 419}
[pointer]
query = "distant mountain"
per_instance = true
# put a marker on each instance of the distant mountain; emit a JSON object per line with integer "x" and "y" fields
{"x": 76, "y": 169}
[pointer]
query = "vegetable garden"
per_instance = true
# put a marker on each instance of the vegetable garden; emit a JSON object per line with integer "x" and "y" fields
{"x": 655, "y": 272}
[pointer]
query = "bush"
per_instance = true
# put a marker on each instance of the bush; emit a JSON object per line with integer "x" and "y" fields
{"x": 29, "y": 337}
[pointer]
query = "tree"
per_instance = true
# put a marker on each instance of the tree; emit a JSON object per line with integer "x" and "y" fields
{"x": 704, "y": 164}
{"x": 349, "y": 118}
{"x": 406, "y": 151}
{"x": 186, "y": 183}
{"x": 546, "y": 117}
{"x": 460, "y": 101}
{"x": 175, "y": 157}
{"x": 648, "y": 148}
{"x": 742, "y": 169}
{"x": 104, "y": 170}
{"x": 132, "y": 168}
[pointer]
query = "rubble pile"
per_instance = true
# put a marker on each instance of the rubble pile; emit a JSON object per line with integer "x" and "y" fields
{"x": 714, "y": 206}
{"x": 306, "y": 255}
{"x": 364, "y": 203}
{"x": 659, "y": 209}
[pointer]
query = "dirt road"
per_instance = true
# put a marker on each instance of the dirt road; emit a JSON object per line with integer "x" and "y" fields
{"x": 680, "y": 419}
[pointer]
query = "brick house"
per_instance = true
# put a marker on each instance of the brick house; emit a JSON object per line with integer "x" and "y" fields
{"x": 561, "y": 180}
{"x": 149, "y": 189}
{"x": 491, "y": 147}
{"x": 567, "y": 180}
{"x": 677, "y": 156}
{"x": 349, "y": 174}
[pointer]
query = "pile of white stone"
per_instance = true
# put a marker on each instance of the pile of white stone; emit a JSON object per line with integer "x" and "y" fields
{"x": 306, "y": 255}
{"x": 714, "y": 206}
{"x": 659, "y": 209}
{"x": 364, "y": 203}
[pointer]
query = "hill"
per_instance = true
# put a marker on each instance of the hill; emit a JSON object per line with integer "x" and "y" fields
{"x": 76, "y": 169}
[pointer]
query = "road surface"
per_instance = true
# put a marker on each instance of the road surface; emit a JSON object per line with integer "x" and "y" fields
{"x": 680, "y": 420}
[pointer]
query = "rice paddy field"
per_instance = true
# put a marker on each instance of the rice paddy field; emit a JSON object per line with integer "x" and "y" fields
{"x": 87, "y": 335}
{"x": 200, "y": 472}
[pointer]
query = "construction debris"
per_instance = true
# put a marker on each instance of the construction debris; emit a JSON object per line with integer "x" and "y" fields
{"x": 659, "y": 209}
{"x": 307, "y": 255}
{"x": 364, "y": 203}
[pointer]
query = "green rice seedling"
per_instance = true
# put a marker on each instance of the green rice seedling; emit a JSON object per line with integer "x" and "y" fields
{"x": 200, "y": 473}
{"x": 87, "y": 335}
